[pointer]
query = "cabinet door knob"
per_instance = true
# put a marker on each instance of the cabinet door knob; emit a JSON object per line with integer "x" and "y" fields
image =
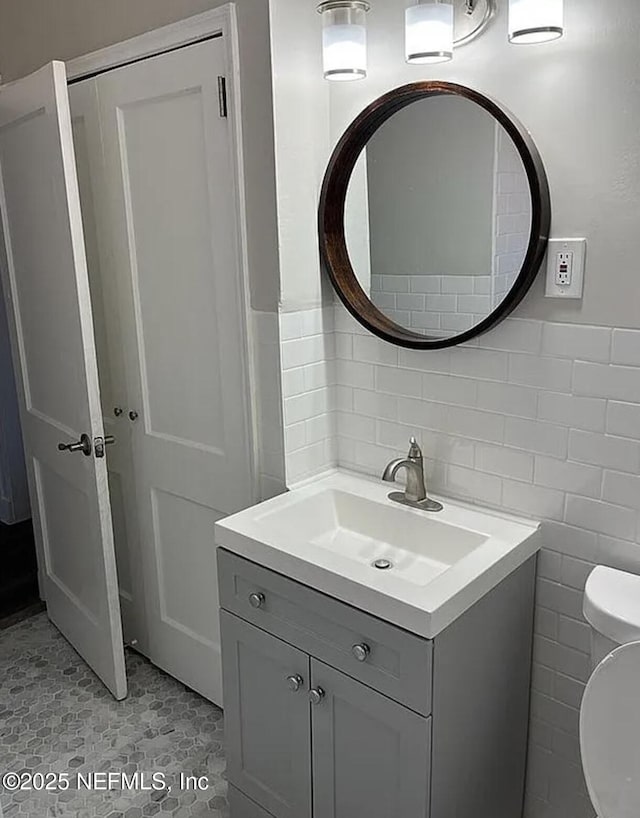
{"x": 133, "y": 415}
{"x": 295, "y": 682}
{"x": 118, "y": 411}
{"x": 361, "y": 652}
{"x": 316, "y": 695}
{"x": 256, "y": 600}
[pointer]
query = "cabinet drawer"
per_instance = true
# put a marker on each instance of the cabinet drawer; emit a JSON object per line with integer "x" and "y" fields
{"x": 391, "y": 660}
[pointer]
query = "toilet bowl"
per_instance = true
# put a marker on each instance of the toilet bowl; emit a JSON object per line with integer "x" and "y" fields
{"x": 610, "y": 712}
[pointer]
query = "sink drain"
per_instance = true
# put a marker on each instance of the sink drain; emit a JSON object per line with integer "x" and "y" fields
{"x": 382, "y": 565}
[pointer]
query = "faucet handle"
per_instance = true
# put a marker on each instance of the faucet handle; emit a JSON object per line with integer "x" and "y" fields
{"x": 415, "y": 451}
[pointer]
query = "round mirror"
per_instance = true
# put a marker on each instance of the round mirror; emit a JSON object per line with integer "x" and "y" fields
{"x": 434, "y": 216}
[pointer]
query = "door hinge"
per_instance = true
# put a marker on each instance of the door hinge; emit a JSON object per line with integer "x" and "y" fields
{"x": 222, "y": 96}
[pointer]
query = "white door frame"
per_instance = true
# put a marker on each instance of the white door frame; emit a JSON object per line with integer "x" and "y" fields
{"x": 220, "y": 21}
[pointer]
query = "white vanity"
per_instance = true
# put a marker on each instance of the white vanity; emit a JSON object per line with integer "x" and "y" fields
{"x": 376, "y": 658}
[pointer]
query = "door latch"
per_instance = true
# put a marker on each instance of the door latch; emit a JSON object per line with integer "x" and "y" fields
{"x": 99, "y": 444}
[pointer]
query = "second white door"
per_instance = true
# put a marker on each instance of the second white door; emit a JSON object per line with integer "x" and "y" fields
{"x": 160, "y": 167}
{"x": 45, "y": 282}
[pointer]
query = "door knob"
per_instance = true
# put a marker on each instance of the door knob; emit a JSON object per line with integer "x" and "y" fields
{"x": 295, "y": 682}
{"x": 361, "y": 652}
{"x": 316, "y": 695}
{"x": 133, "y": 415}
{"x": 256, "y": 600}
{"x": 84, "y": 445}
{"x": 118, "y": 411}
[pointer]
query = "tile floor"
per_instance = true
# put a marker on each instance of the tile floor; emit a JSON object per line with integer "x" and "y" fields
{"x": 56, "y": 717}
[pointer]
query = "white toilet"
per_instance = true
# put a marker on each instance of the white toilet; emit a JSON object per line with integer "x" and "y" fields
{"x": 610, "y": 713}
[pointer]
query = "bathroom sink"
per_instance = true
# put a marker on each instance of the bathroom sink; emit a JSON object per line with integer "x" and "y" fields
{"x": 342, "y": 535}
{"x": 374, "y": 535}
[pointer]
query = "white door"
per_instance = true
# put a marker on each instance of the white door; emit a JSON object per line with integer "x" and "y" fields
{"x": 85, "y": 119}
{"x": 45, "y": 283}
{"x": 170, "y": 192}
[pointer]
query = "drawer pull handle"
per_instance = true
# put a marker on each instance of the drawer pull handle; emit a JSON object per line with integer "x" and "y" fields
{"x": 316, "y": 695}
{"x": 361, "y": 652}
{"x": 256, "y": 600}
{"x": 295, "y": 683}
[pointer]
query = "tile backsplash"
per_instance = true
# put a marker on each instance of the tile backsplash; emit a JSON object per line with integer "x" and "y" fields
{"x": 308, "y": 355}
{"x": 536, "y": 418}
{"x": 268, "y": 431}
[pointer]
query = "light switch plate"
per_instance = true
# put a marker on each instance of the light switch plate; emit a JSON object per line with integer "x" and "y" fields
{"x": 565, "y": 268}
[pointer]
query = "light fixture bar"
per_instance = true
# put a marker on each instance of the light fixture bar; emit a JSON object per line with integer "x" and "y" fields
{"x": 471, "y": 18}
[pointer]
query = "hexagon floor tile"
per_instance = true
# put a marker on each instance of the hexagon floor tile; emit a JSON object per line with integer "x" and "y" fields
{"x": 57, "y": 717}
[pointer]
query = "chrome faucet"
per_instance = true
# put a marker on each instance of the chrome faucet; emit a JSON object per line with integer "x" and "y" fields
{"x": 415, "y": 494}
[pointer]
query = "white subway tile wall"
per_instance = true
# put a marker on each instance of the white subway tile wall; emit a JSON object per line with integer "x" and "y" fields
{"x": 265, "y": 347}
{"x": 309, "y": 394}
{"x": 549, "y": 431}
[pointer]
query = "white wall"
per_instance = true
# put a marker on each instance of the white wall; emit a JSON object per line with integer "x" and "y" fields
{"x": 542, "y": 415}
{"x": 301, "y": 114}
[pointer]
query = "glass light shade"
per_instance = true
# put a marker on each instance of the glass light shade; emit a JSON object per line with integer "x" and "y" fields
{"x": 344, "y": 40}
{"x": 535, "y": 21}
{"x": 429, "y": 33}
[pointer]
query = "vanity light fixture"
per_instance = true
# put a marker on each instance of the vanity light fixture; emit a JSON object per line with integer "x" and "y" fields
{"x": 535, "y": 21}
{"x": 433, "y": 28}
{"x": 344, "y": 39}
{"x": 429, "y": 32}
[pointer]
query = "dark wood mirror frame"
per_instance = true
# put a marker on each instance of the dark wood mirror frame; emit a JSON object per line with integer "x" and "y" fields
{"x": 333, "y": 246}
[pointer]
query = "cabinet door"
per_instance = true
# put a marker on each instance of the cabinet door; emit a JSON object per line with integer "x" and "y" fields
{"x": 267, "y": 723}
{"x": 371, "y": 756}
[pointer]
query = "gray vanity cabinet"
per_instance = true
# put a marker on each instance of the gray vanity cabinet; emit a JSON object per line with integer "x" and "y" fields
{"x": 291, "y": 720}
{"x": 333, "y": 713}
{"x": 267, "y": 721}
{"x": 371, "y": 756}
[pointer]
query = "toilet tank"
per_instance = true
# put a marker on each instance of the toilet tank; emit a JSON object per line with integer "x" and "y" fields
{"x": 612, "y": 608}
